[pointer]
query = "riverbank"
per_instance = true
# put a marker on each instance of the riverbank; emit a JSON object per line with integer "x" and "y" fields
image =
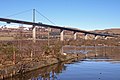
{"x": 22, "y": 56}
{"x": 28, "y": 65}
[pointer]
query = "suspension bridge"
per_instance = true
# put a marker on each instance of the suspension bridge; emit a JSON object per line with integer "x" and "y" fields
{"x": 62, "y": 29}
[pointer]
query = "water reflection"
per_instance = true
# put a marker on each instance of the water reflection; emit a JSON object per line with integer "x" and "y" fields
{"x": 47, "y": 73}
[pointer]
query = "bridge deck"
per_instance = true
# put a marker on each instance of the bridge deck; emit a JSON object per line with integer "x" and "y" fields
{"x": 52, "y": 26}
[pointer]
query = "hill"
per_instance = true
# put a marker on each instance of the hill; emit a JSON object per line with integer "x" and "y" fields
{"x": 109, "y": 31}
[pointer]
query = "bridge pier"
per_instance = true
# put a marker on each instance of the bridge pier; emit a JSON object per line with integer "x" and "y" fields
{"x": 75, "y": 35}
{"x": 49, "y": 30}
{"x": 86, "y": 36}
{"x": 34, "y": 34}
{"x": 96, "y": 37}
{"x": 61, "y": 35}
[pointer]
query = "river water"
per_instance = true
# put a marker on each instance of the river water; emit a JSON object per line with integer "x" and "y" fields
{"x": 92, "y": 70}
{"x": 86, "y": 69}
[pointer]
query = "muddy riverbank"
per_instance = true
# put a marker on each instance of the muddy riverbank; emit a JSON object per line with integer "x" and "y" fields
{"x": 28, "y": 65}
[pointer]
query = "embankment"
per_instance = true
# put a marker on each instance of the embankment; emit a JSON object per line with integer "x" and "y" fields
{"x": 30, "y": 65}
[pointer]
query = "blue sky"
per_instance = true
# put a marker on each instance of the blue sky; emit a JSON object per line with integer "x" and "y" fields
{"x": 82, "y": 14}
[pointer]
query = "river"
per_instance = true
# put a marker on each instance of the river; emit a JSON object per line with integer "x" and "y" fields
{"x": 92, "y": 70}
{"x": 86, "y": 69}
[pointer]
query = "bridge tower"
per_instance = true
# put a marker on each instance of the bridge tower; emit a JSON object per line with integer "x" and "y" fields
{"x": 34, "y": 28}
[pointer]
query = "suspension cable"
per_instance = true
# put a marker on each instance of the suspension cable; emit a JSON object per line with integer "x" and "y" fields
{"x": 19, "y": 13}
{"x": 31, "y": 10}
{"x": 45, "y": 17}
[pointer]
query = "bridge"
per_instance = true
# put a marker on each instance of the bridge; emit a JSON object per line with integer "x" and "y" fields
{"x": 75, "y": 30}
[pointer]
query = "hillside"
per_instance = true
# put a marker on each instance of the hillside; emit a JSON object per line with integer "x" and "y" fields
{"x": 110, "y": 31}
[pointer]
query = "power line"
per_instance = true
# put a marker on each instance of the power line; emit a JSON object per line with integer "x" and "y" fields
{"x": 19, "y": 13}
{"x": 45, "y": 17}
